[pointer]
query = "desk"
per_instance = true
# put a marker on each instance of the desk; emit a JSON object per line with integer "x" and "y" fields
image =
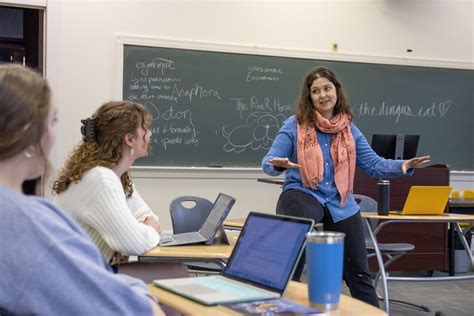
{"x": 218, "y": 253}
{"x": 458, "y": 206}
{"x": 296, "y": 292}
{"x": 238, "y": 223}
{"x": 430, "y": 239}
{"x": 272, "y": 181}
{"x": 234, "y": 224}
{"x": 452, "y": 219}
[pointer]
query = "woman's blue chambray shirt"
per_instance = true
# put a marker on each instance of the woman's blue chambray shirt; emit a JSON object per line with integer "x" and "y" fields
{"x": 326, "y": 193}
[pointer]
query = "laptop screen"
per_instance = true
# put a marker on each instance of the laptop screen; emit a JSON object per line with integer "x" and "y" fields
{"x": 217, "y": 214}
{"x": 267, "y": 250}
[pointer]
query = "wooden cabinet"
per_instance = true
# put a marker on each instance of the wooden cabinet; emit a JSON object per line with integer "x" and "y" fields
{"x": 430, "y": 239}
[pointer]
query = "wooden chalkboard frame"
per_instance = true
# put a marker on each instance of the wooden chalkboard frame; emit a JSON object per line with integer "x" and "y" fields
{"x": 122, "y": 40}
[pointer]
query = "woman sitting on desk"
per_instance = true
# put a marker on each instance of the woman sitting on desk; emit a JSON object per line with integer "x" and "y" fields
{"x": 96, "y": 189}
{"x": 319, "y": 148}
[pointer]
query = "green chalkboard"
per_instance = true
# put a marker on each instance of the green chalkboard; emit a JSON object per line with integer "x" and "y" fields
{"x": 224, "y": 109}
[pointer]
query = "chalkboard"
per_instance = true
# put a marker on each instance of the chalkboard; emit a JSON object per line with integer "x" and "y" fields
{"x": 224, "y": 109}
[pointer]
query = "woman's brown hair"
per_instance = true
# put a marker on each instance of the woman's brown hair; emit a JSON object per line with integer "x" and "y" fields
{"x": 103, "y": 142}
{"x": 304, "y": 107}
{"x": 24, "y": 106}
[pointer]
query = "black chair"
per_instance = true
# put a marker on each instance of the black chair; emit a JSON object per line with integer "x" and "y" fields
{"x": 392, "y": 251}
{"x": 190, "y": 219}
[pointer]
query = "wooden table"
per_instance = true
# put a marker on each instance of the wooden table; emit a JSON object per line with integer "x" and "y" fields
{"x": 452, "y": 219}
{"x": 272, "y": 181}
{"x": 217, "y": 253}
{"x": 458, "y": 206}
{"x": 296, "y": 292}
{"x": 238, "y": 223}
{"x": 235, "y": 224}
{"x": 430, "y": 239}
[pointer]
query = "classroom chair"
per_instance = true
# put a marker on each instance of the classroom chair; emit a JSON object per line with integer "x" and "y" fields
{"x": 392, "y": 251}
{"x": 465, "y": 194}
{"x": 190, "y": 219}
{"x": 468, "y": 194}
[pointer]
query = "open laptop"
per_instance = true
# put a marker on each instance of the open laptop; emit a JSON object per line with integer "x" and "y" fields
{"x": 260, "y": 266}
{"x": 211, "y": 226}
{"x": 425, "y": 200}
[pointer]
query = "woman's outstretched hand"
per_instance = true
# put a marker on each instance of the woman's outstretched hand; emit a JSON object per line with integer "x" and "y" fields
{"x": 283, "y": 163}
{"x": 415, "y": 162}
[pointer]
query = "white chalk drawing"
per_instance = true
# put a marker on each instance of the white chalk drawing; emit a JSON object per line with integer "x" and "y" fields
{"x": 258, "y": 132}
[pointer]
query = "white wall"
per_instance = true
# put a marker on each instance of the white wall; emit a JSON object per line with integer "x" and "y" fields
{"x": 80, "y": 60}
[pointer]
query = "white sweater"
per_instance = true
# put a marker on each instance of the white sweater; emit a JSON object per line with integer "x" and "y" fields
{"x": 112, "y": 221}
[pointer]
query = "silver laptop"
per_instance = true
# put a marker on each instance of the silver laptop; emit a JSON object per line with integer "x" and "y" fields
{"x": 261, "y": 264}
{"x": 211, "y": 226}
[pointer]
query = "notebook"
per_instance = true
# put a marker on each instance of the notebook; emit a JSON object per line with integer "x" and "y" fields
{"x": 260, "y": 266}
{"x": 426, "y": 200}
{"x": 211, "y": 226}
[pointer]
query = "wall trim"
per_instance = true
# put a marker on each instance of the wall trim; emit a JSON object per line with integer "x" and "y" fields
{"x": 239, "y": 173}
{"x": 33, "y": 4}
{"x": 196, "y": 173}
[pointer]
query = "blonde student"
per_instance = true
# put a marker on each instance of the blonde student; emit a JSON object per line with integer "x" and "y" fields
{"x": 48, "y": 265}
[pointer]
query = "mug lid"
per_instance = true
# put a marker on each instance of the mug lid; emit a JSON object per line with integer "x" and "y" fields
{"x": 325, "y": 237}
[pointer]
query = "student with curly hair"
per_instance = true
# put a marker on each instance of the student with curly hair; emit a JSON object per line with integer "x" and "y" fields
{"x": 96, "y": 189}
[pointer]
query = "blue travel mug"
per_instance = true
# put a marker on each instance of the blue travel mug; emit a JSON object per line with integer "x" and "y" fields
{"x": 324, "y": 259}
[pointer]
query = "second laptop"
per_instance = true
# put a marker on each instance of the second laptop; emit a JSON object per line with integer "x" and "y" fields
{"x": 213, "y": 223}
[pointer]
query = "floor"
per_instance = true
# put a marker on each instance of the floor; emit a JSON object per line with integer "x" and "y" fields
{"x": 453, "y": 298}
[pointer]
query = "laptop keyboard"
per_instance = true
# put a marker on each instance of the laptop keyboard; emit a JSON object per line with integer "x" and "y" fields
{"x": 187, "y": 237}
{"x": 222, "y": 285}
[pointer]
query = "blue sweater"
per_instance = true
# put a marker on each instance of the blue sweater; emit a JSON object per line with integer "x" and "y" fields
{"x": 48, "y": 265}
{"x": 326, "y": 193}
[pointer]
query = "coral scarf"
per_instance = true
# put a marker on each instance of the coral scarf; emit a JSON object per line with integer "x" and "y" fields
{"x": 310, "y": 155}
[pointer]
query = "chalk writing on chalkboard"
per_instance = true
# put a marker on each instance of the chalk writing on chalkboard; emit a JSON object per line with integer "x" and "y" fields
{"x": 218, "y": 108}
{"x": 436, "y": 109}
{"x": 157, "y": 81}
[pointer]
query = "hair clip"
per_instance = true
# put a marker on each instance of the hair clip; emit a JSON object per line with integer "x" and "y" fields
{"x": 88, "y": 130}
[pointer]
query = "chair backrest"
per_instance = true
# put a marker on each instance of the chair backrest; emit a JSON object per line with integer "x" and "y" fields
{"x": 186, "y": 219}
{"x": 465, "y": 194}
{"x": 366, "y": 204}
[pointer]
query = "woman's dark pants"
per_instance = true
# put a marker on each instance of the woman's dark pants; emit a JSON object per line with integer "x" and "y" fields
{"x": 356, "y": 271}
